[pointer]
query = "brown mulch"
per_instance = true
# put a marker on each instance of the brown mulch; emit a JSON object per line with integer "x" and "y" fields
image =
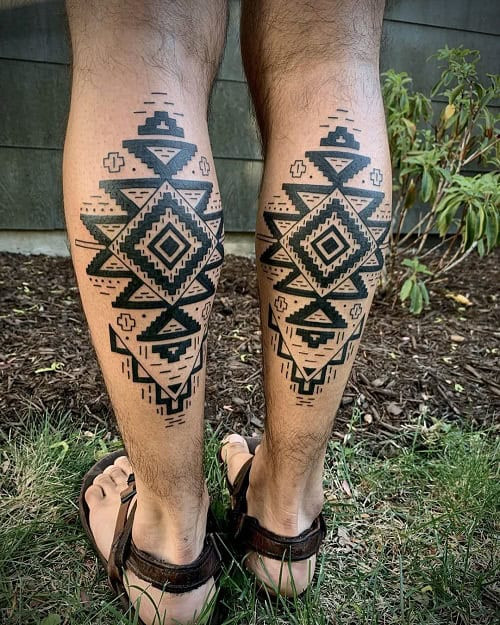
{"x": 444, "y": 364}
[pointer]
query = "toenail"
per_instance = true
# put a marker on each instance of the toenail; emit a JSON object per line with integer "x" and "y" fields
{"x": 233, "y": 438}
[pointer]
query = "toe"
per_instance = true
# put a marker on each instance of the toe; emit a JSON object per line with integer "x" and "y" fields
{"x": 105, "y": 481}
{"x": 235, "y": 453}
{"x": 233, "y": 444}
{"x": 94, "y": 495}
{"x": 117, "y": 474}
{"x": 124, "y": 463}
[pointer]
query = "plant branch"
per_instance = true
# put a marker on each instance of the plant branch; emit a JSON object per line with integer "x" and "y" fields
{"x": 478, "y": 154}
{"x": 456, "y": 262}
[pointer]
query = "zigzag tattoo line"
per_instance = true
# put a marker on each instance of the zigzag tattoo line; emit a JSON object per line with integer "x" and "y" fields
{"x": 160, "y": 246}
{"x": 320, "y": 246}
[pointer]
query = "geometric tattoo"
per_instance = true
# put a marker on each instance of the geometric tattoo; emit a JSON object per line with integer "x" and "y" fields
{"x": 322, "y": 246}
{"x": 158, "y": 236}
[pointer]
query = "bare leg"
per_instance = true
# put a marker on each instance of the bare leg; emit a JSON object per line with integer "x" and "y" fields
{"x": 145, "y": 224}
{"x": 324, "y": 217}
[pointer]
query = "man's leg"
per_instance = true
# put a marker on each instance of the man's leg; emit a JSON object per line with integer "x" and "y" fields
{"x": 144, "y": 220}
{"x": 324, "y": 216}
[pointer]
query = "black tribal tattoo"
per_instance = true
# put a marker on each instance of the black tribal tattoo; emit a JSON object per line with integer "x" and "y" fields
{"x": 158, "y": 235}
{"x": 322, "y": 245}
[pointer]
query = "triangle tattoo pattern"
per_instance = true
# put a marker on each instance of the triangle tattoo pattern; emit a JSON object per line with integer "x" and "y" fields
{"x": 322, "y": 247}
{"x": 157, "y": 247}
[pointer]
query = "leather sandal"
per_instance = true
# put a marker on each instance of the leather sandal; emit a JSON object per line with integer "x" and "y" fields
{"x": 247, "y": 534}
{"x": 170, "y": 578}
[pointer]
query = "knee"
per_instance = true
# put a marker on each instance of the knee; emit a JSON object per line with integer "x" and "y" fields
{"x": 299, "y": 36}
{"x": 183, "y": 40}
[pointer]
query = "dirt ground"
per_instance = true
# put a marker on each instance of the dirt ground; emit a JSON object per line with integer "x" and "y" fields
{"x": 445, "y": 363}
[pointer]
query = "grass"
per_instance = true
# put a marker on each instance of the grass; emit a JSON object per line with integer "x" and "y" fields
{"x": 411, "y": 533}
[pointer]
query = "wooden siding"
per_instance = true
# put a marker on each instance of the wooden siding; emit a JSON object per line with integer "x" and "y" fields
{"x": 35, "y": 81}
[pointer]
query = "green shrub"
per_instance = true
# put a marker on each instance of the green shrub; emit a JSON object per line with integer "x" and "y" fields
{"x": 430, "y": 153}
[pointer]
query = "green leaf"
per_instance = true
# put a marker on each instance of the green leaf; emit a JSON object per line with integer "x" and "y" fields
{"x": 409, "y": 262}
{"x": 437, "y": 87}
{"x": 446, "y": 173}
{"x": 464, "y": 117}
{"x": 403, "y": 101}
{"x": 421, "y": 268}
{"x": 470, "y": 229}
{"x": 51, "y": 619}
{"x": 426, "y": 186}
{"x": 491, "y": 231}
{"x": 63, "y": 446}
{"x": 412, "y": 129}
{"x": 454, "y": 93}
{"x": 406, "y": 289}
{"x": 425, "y": 292}
{"x": 481, "y": 220}
{"x": 416, "y": 300}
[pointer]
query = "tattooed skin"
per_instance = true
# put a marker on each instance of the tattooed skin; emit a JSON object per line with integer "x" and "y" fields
{"x": 321, "y": 247}
{"x": 157, "y": 236}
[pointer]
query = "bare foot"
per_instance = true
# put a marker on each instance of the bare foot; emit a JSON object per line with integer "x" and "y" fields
{"x": 283, "y": 578}
{"x": 155, "y": 606}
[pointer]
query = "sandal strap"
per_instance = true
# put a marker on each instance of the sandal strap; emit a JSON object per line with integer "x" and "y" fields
{"x": 176, "y": 578}
{"x": 240, "y": 485}
{"x": 121, "y": 538}
{"x": 168, "y": 577}
{"x": 250, "y": 534}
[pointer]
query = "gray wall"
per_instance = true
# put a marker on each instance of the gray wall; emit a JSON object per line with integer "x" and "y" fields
{"x": 34, "y": 98}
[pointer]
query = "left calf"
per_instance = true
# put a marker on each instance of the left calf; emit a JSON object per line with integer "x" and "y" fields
{"x": 174, "y": 540}
{"x": 173, "y": 531}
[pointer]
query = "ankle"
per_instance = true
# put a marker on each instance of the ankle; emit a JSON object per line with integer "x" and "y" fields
{"x": 173, "y": 531}
{"x": 283, "y": 500}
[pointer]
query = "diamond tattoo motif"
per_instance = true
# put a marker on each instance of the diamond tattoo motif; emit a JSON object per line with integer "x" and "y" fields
{"x": 322, "y": 245}
{"x": 159, "y": 242}
{"x": 165, "y": 220}
{"x": 348, "y": 244}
